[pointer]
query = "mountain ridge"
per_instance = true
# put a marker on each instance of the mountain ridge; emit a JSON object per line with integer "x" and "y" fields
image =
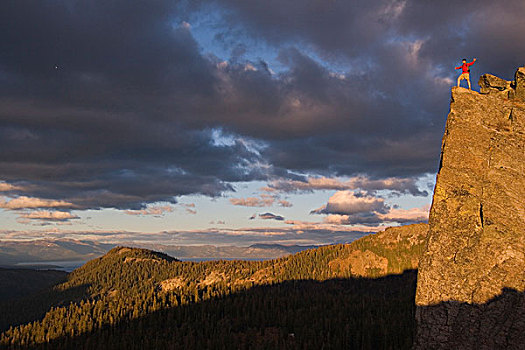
{"x": 56, "y": 250}
{"x": 129, "y": 283}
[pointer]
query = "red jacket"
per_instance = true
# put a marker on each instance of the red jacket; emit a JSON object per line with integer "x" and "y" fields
{"x": 464, "y": 67}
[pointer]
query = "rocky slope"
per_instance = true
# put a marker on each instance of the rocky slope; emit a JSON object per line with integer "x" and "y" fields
{"x": 471, "y": 277}
{"x": 388, "y": 252}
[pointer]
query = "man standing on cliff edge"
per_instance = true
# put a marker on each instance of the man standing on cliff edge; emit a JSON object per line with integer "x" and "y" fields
{"x": 465, "y": 71}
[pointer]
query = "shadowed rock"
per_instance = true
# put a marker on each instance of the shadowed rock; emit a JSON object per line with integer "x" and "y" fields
{"x": 496, "y": 324}
{"x": 476, "y": 243}
{"x": 519, "y": 83}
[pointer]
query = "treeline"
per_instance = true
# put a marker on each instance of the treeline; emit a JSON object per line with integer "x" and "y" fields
{"x": 136, "y": 298}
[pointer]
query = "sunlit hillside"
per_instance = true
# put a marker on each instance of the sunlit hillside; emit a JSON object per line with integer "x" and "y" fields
{"x": 356, "y": 295}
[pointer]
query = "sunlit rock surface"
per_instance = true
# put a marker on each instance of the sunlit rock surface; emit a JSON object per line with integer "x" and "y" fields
{"x": 471, "y": 280}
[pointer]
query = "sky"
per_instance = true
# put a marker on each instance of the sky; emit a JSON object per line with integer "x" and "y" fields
{"x": 235, "y": 121}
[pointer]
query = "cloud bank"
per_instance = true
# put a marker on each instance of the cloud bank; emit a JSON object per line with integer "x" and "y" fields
{"x": 349, "y": 208}
{"x": 122, "y": 109}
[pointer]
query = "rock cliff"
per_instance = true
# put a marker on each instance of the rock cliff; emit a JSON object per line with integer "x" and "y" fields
{"x": 471, "y": 279}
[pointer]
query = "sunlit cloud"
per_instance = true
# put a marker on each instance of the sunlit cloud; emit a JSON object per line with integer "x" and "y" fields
{"x": 406, "y": 215}
{"x": 265, "y": 200}
{"x": 49, "y": 215}
{"x": 350, "y": 208}
{"x": 190, "y": 208}
{"x": 5, "y": 187}
{"x": 349, "y": 202}
{"x": 285, "y": 204}
{"x": 24, "y": 202}
{"x": 152, "y": 210}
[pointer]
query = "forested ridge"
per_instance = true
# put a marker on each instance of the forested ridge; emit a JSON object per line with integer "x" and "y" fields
{"x": 340, "y": 296}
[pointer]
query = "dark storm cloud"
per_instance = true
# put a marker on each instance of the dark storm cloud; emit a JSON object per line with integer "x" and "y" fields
{"x": 93, "y": 101}
{"x": 399, "y": 56}
{"x": 358, "y": 29}
{"x": 271, "y": 216}
{"x": 114, "y": 104}
{"x": 396, "y": 186}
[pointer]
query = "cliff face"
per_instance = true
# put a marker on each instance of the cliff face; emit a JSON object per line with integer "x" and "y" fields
{"x": 471, "y": 280}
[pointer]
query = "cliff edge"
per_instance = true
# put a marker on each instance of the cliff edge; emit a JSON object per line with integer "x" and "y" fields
{"x": 471, "y": 279}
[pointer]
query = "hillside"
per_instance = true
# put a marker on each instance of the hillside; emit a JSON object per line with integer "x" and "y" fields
{"x": 339, "y": 295}
{"x": 16, "y": 283}
{"x": 471, "y": 281}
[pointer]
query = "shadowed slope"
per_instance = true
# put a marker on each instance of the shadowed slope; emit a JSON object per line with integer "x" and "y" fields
{"x": 301, "y": 314}
{"x": 16, "y": 283}
{"x": 129, "y": 284}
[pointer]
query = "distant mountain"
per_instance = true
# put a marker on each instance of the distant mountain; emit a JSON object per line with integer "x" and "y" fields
{"x": 38, "y": 251}
{"x": 358, "y": 295}
{"x": 255, "y": 251}
{"x": 13, "y": 252}
{"x": 288, "y": 248}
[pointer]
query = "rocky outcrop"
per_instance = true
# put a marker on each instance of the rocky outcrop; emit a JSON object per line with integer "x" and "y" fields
{"x": 519, "y": 83}
{"x": 471, "y": 279}
{"x": 491, "y": 84}
{"x": 361, "y": 264}
{"x": 392, "y": 251}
